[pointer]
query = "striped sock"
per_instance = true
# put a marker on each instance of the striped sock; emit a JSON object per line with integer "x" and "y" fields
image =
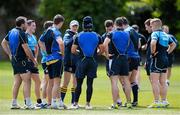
{"x": 63, "y": 92}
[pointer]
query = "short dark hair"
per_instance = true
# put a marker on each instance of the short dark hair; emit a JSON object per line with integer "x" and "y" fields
{"x": 20, "y": 20}
{"x": 87, "y": 22}
{"x": 125, "y": 20}
{"x": 147, "y": 22}
{"x": 58, "y": 19}
{"x": 136, "y": 27}
{"x": 29, "y": 22}
{"x": 118, "y": 21}
{"x": 47, "y": 24}
{"x": 108, "y": 23}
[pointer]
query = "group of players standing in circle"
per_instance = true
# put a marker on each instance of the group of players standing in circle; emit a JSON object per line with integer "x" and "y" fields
{"x": 76, "y": 55}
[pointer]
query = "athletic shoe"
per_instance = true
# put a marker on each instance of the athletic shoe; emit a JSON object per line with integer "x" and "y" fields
{"x": 113, "y": 107}
{"x": 48, "y": 106}
{"x": 44, "y": 106}
{"x": 54, "y": 106}
{"x": 164, "y": 104}
{"x": 74, "y": 106}
{"x": 134, "y": 104}
{"x": 38, "y": 105}
{"x": 29, "y": 107}
{"x": 155, "y": 105}
{"x": 119, "y": 104}
{"x": 88, "y": 107}
{"x": 63, "y": 106}
{"x": 128, "y": 105}
{"x": 16, "y": 106}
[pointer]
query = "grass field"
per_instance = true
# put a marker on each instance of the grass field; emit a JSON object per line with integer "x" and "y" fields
{"x": 101, "y": 98}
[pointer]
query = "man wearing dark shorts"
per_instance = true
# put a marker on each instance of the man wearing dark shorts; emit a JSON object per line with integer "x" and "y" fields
{"x": 16, "y": 47}
{"x": 88, "y": 42}
{"x": 52, "y": 43}
{"x": 133, "y": 58}
{"x": 45, "y": 79}
{"x": 118, "y": 60}
{"x": 161, "y": 44}
{"x": 70, "y": 60}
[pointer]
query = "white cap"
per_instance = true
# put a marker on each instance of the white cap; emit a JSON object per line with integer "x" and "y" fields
{"x": 73, "y": 23}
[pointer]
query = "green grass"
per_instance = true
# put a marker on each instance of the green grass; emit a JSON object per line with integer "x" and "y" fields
{"x": 101, "y": 98}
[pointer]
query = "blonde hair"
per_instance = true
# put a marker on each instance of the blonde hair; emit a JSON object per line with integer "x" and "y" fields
{"x": 165, "y": 26}
{"x": 156, "y": 22}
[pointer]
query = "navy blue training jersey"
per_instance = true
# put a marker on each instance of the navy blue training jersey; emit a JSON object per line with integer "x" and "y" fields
{"x": 88, "y": 42}
{"x": 119, "y": 42}
{"x": 50, "y": 39}
{"x": 16, "y": 37}
{"x": 133, "y": 46}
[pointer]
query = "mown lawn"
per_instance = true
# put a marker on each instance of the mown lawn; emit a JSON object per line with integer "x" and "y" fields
{"x": 101, "y": 99}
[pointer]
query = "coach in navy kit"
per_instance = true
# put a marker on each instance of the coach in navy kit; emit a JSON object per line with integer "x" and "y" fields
{"x": 88, "y": 42}
{"x": 70, "y": 60}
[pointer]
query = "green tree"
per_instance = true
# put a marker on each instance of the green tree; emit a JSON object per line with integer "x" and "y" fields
{"x": 100, "y": 10}
{"x": 10, "y": 9}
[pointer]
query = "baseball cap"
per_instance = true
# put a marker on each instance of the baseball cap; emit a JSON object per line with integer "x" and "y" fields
{"x": 73, "y": 23}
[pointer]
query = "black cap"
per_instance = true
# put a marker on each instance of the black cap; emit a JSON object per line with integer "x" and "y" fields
{"x": 87, "y": 22}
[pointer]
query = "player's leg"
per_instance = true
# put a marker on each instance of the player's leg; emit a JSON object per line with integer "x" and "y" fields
{"x": 80, "y": 75}
{"x": 114, "y": 89}
{"x": 168, "y": 75}
{"x": 134, "y": 86}
{"x": 133, "y": 68}
{"x": 163, "y": 89}
{"x": 44, "y": 88}
{"x": 67, "y": 77}
{"x": 16, "y": 86}
{"x": 155, "y": 89}
{"x": 55, "y": 89}
{"x": 89, "y": 92}
{"x": 44, "y": 85}
{"x": 57, "y": 69}
{"x": 37, "y": 83}
{"x": 49, "y": 90}
{"x": 91, "y": 69}
{"x": 170, "y": 64}
{"x": 26, "y": 78}
{"x": 127, "y": 89}
{"x": 78, "y": 91}
{"x": 138, "y": 76}
{"x": 74, "y": 84}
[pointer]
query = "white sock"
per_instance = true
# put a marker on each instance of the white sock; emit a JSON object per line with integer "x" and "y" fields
{"x": 44, "y": 101}
{"x": 156, "y": 101}
{"x": 14, "y": 102}
{"x": 61, "y": 102}
{"x": 53, "y": 102}
{"x": 28, "y": 101}
{"x": 164, "y": 100}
